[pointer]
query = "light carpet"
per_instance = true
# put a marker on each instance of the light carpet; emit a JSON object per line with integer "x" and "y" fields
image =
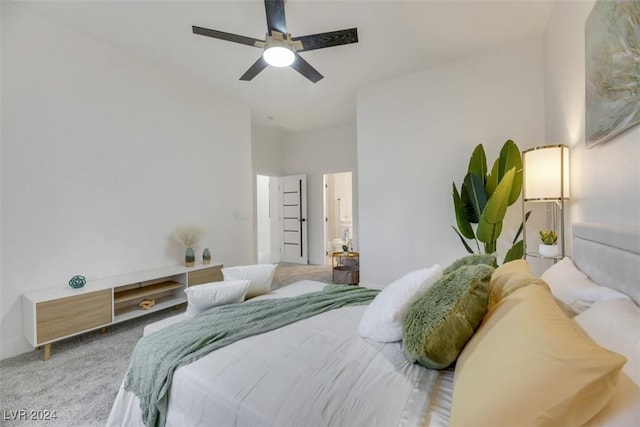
{"x": 79, "y": 383}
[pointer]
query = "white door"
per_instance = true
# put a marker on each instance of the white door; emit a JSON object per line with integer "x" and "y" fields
{"x": 294, "y": 214}
{"x": 268, "y": 219}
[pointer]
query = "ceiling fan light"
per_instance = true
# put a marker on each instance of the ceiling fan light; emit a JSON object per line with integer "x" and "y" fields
{"x": 278, "y": 56}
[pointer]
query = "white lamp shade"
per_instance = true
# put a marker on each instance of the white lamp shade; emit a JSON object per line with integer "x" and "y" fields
{"x": 278, "y": 56}
{"x": 546, "y": 173}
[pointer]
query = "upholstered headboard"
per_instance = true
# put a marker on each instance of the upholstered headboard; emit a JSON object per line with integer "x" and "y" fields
{"x": 609, "y": 255}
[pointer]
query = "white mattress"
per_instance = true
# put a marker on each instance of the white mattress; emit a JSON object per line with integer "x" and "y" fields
{"x": 314, "y": 372}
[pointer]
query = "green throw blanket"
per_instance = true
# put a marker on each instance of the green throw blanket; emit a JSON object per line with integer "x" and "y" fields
{"x": 156, "y": 356}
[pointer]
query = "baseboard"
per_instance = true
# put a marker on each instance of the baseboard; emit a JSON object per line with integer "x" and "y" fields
{"x": 14, "y": 347}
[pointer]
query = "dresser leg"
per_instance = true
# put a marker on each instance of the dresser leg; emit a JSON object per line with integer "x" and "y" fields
{"x": 47, "y": 352}
{"x": 103, "y": 330}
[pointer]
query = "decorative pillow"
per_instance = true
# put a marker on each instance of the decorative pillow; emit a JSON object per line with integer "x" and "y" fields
{"x": 574, "y": 288}
{"x": 510, "y": 277}
{"x": 260, "y": 276}
{"x": 513, "y": 275}
{"x": 384, "y": 316}
{"x": 528, "y": 364}
{"x": 472, "y": 259}
{"x": 202, "y": 297}
{"x": 615, "y": 324}
{"x": 443, "y": 319}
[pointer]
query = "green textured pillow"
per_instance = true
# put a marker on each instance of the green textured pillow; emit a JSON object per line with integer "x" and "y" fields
{"x": 473, "y": 259}
{"x": 440, "y": 323}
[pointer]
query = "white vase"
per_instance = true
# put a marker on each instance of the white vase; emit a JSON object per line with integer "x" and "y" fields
{"x": 548, "y": 250}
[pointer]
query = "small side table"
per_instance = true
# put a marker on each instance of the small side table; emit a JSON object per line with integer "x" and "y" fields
{"x": 346, "y": 267}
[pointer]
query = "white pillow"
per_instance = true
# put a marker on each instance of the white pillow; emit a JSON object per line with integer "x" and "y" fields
{"x": 384, "y": 316}
{"x": 260, "y": 276}
{"x": 615, "y": 325}
{"x": 574, "y": 288}
{"x": 202, "y": 297}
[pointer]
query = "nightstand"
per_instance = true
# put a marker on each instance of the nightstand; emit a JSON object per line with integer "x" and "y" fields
{"x": 346, "y": 267}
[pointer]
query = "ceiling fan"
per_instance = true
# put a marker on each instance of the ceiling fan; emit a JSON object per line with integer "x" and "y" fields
{"x": 280, "y": 48}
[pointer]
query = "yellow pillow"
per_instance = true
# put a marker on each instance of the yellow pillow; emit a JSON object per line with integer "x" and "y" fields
{"x": 513, "y": 275}
{"x": 528, "y": 364}
{"x": 510, "y": 277}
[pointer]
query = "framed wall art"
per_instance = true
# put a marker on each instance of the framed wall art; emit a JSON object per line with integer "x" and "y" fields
{"x": 612, "y": 64}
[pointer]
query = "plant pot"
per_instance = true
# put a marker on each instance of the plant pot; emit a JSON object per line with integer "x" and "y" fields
{"x": 548, "y": 250}
{"x": 189, "y": 258}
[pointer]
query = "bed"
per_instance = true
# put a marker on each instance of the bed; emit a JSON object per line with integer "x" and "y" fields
{"x": 321, "y": 371}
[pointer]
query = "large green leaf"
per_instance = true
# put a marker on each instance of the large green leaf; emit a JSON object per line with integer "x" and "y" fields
{"x": 492, "y": 179}
{"x": 510, "y": 157}
{"x": 463, "y": 224}
{"x": 468, "y": 210}
{"x": 464, "y": 242}
{"x": 526, "y": 218}
{"x": 496, "y": 206}
{"x": 515, "y": 252}
{"x": 478, "y": 163}
{"x": 475, "y": 191}
{"x": 490, "y": 224}
{"x": 489, "y": 232}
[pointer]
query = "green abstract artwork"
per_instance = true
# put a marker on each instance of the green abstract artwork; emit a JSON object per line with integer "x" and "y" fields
{"x": 612, "y": 63}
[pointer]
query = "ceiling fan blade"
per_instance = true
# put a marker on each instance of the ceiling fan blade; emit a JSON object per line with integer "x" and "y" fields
{"x": 226, "y": 36}
{"x": 275, "y": 16}
{"x": 333, "y": 38}
{"x": 253, "y": 71}
{"x": 304, "y": 68}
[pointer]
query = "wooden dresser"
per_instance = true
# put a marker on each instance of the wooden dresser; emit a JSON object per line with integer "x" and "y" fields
{"x": 59, "y": 312}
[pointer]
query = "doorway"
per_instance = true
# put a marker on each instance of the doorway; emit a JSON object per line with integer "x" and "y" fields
{"x": 338, "y": 212}
{"x": 268, "y": 219}
{"x": 281, "y": 219}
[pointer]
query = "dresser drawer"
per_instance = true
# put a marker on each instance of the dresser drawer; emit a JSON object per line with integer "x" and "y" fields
{"x": 66, "y": 316}
{"x": 206, "y": 275}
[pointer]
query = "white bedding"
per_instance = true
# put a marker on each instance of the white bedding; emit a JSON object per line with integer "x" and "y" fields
{"x": 320, "y": 372}
{"x": 314, "y": 372}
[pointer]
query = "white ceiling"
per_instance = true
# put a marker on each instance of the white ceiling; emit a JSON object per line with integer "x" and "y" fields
{"x": 395, "y": 38}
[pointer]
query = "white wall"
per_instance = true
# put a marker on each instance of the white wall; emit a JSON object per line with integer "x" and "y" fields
{"x": 415, "y": 136}
{"x": 103, "y": 156}
{"x": 605, "y": 180}
{"x": 266, "y": 150}
{"x": 316, "y": 153}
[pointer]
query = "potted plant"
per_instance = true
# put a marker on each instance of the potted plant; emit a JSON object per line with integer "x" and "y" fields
{"x": 188, "y": 236}
{"x": 548, "y": 247}
{"x": 484, "y": 197}
{"x": 345, "y": 249}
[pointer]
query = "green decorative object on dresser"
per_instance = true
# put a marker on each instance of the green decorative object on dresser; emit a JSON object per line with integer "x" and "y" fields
{"x": 77, "y": 282}
{"x": 189, "y": 258}
{"x": 206, "y": 256}
{"x": 189, "y": 237}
